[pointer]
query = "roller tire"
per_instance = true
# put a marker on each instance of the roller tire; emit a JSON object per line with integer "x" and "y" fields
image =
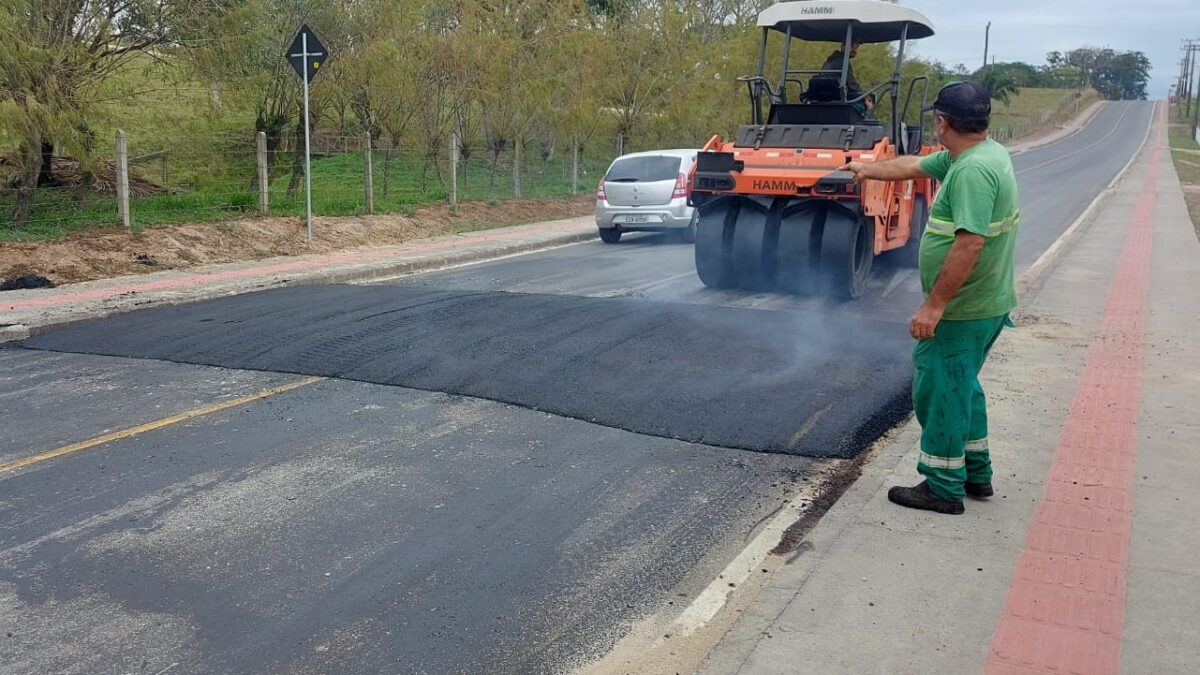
{"x": 909, "y": 255}
{"x": 753, "y": 248}
{"x": 714, "y": 230}
{"x": 847, "y": 254}
{"x": 798, "y": 248}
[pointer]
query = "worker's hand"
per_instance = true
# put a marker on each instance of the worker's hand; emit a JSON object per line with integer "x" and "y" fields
{"x": 925, "y": 322}
{"x": 858, "y": 169}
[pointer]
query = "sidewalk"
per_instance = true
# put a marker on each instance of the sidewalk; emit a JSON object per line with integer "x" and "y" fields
{"x": 1084, "y": 561}
{"x": 24, "y": 312}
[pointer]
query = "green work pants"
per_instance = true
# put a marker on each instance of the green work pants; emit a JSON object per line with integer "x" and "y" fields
{"x": 950, "y": 404}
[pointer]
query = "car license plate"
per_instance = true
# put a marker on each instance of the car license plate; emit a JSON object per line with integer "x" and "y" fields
{"x": 637, "y": 219}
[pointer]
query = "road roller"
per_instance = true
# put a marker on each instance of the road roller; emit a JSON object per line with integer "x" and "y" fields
{"x": 774, "y": 211}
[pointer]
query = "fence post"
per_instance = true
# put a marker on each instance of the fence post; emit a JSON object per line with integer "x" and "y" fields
{"x": 454, "y": 171}
{"x": 122, "y": 171}
{"x": 368, "y": 175}
{"x": 264, "y": 180}
{"x": 575, "y": 166}
{"x": 517, "y": 168}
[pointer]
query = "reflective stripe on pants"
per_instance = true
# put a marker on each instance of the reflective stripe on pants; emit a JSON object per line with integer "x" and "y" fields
{"x": 950, "y": 404}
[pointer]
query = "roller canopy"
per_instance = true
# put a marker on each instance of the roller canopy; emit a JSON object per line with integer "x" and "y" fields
{"x": 826, "y": 20}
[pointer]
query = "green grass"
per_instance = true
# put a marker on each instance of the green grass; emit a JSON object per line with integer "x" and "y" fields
{"x": 1187, "y": 164}
{"x": 211, "y": 166}
{"x": 1028, "y": 102}
{"x": 57, "y": 213}
{"x": 1022, "y": 115}
{"x": 1179, "y": 132}
{"x": 338, "y": 180}
{"x": 212, "y": 169}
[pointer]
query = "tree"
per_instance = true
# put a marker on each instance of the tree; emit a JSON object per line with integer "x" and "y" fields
{"x": 653, "y": 68}
{"x": 53, "y": 56}
{"x": 1116, "y": 75}
{"x": 501, "y": 74}
{"x": 999, "y": 82}
{"x": 1122, "y": 76}
{"x": 242, "y": 42}
{"x": 608, "y": 7}
{"x": 1021, "y": 74}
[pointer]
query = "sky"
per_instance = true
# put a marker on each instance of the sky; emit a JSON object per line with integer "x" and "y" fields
{"x": 1025, "y": 30}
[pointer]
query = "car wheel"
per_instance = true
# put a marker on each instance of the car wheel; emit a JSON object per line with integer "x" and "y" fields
{"x": 610, "y": 235}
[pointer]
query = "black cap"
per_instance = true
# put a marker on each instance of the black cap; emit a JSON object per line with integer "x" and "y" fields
{"x": 964, "y": 101}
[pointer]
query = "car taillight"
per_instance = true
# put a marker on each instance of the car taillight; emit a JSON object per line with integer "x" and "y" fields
{"x": 600, "y": 191}
{"x": 680, "y": 187}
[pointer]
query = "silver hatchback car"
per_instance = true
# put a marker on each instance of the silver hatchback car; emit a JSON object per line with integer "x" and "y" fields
{"x": 645, "y": 191}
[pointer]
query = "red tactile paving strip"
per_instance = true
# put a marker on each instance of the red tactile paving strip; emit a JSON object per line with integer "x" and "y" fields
{"x": 1066, "y": 607}
{"x": 356, "y": 257}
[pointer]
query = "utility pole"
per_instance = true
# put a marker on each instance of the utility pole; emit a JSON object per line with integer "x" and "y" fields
{"x": 1194, "y": 48}
{"x": 1181, "y": 90}
{"x": 1187, "y": 81}
{"x": 1178, "y": 86}
{"x": 987, "y": 36}
{"x": 1185, "y": 73}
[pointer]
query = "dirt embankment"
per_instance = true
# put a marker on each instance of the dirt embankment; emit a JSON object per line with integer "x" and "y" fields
{"x": 103, "y": 253}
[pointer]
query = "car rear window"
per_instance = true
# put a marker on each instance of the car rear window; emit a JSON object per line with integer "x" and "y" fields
{"x": 635, "y": 169}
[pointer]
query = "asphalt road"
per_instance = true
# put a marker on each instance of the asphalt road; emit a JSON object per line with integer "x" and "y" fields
{"x": 1057, "y": 183}
{"x": 354, "y": 527}
{"x": 722, "y": 376}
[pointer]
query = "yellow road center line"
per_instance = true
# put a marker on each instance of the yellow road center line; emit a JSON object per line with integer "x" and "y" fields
{"x": 157, "y": 424}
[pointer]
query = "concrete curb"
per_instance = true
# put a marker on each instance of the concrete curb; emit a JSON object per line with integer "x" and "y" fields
{"x": 882, "y": 461}
{"x": 362, "y": 272}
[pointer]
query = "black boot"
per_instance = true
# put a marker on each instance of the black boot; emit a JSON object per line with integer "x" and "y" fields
{"x": 979, "y": 490}
{"x": 921, "y": 497}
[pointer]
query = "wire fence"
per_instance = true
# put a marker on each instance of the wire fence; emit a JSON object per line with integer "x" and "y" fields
{"x": 231, "y": 176}
{"x": 1067, "y": 108}
{"x": 244, "y": 175}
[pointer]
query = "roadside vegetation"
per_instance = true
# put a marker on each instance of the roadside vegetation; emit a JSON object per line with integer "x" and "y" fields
{"x": 538, "y": 96}
{"x": 1185, "y": 151}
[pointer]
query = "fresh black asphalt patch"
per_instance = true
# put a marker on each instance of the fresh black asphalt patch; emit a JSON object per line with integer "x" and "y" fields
{"x": 816, "y": 384}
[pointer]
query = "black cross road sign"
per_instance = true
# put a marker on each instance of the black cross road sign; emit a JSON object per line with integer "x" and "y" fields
{"x": 315, "y": 54}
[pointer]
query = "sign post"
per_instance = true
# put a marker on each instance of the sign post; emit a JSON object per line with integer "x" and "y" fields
{"x": 306, "y": 56}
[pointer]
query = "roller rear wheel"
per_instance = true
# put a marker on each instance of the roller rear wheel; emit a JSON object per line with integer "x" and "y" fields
{"x": 714, "y": 233}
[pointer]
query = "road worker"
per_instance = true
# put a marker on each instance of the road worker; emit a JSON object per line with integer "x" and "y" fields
{"x": 966, "y": 270}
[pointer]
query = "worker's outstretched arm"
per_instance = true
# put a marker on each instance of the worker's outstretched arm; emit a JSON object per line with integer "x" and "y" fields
{"x": 960, "y": 261}
{"x": 901, "y": 168}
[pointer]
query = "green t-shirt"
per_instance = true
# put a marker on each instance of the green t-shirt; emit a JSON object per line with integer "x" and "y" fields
{"x": 979, "y": 195}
